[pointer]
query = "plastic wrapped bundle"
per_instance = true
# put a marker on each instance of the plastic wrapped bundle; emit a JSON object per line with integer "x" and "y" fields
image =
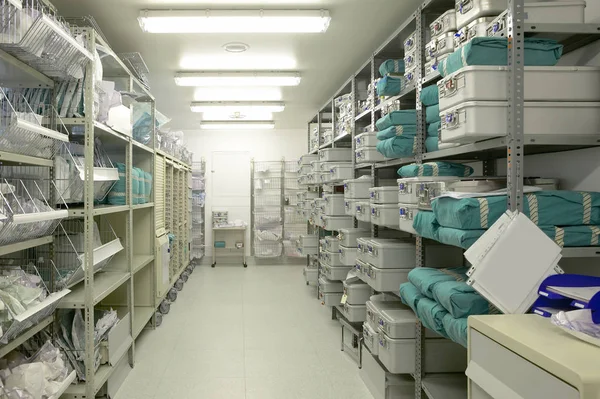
{"x": 573, "y": 236}
{"x": 425, "y": 278}
{"x": 117, "y": 194}
{"x": 396, "y": 118}
{"x": 430, "y": 95}
{"x": 400, "y": 130}
{"x": 178, "y": 284}
{"x": 397, "y": 147}
{"x": 136, "y": 186}
{"x": 164, "y": 307}
{"x": 430, "y": 313}
{"x": 432, "y": 113}
{"x": 389, "y": 86}
{"x": 426, "y": 225}
{"x": 436, "y": 169}
{"x": 458, "y": 238}
{"x": 148, "y": 185}
{"x": 493, "y": 51}
{"x": 172, "y": 295}
{"x": 392, "y": 67}
{"x": 460, "y": 299}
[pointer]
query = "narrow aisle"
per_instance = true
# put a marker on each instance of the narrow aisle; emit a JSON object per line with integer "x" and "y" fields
{"x": 258, "y": 333}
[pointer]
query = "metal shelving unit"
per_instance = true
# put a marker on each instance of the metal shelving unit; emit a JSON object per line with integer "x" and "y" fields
{"x": 198, "y": 217}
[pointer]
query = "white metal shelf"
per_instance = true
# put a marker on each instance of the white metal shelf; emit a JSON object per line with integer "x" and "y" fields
{"x": 143, "y": 206}
{"x": 26, "y": 335}
{"x": 445, "y": 386}
{"x": 141, "y": 261}
{"x": 15, "y": 73}
{"x": 105, "y": 283}
{"x": 141, "y": 317}
{"x": 17, "y": 159}
{"x": 19, "y": 246}
{"x": 98, "y": 210}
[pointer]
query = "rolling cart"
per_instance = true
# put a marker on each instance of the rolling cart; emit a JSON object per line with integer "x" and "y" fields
{"x": 234, "y": 239}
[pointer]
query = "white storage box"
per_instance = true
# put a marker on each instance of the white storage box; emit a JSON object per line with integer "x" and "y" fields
{"x": 355, "y": 313}
{"x": 410, "y": 44}
{"x": 310, "y": 274}
{"x": 477, "y": 28}
{"x": 444, "y": 24}
{"x": 469, "y": 10}
{"x": 400, "y": 323}
{"x": 335, "y": 155}
{"x": 408, "y": 188}
{"x": 363, "y": 211}
{"x": 308, "y": 240}
{"x": 407, "y": 215}
{"x": 306, "y": 159}
{"x": 431, "y": 66}
{"x": 443, "y": 44}
{"x": 490, "y": 83}
{"x": 385, "y": 215}
{"x": 332, "y": 244}
{"x": 357, "y": 292}
{"x": 334, "y": 204}
{"x": 305, "y": 251}
{"x": 362, "y": 245}
{"x": 348, "y": 256}
{"x": 315, "y": 166}
{"x": 385, "y": 280}
{"x": 366, "y": 140}
{"x": 335, "y": 223}
{"x": 390, "y": 253}
{"x": 348, "y": 237}
{"x": 331, "y": 258}
{"x": 304, "y": 169}
{"x": 368, "y": 155}
{"x": 329, "y": 286}
{"x": 330, "y": 299}
{"x": 569, "y": 11}
{"x": 375, "y": 307}
{"x": 371, "y": 338}
{"x": 411, "y": 76}
{"x": 480, "y": 120}
{"x": 427, "y": 191}
{"x": 360, "y": 267}
{"x": 338, "y": 273}
{"x": 338, "y": 172}
{"x": 358, "y": 188}
{"x": 410, "y": 62}
{"x": 442, "y": 356}
{"x": 384, "y": 195}
{"x": 350, "y": 207}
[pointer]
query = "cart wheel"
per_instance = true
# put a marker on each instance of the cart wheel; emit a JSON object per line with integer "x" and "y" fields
{"x": 214, "y": 264}
{"x": 245, "y": 265}
{"x": 307, "y": 283}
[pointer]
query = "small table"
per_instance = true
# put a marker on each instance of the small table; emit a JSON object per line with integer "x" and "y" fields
{"x": 230, "y": 235}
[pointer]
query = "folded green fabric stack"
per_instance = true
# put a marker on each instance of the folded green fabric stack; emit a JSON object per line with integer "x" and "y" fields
{"x": 435, "y": 169}
{"x": 396, "y": 118}
{"x": 389, "y": 86}
{"x": 397, "y": 147}
{"x": 400, "y": 130}
{"x": 392, "y": 67}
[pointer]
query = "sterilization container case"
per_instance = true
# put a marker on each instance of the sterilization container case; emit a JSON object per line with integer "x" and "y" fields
{"x": 357, "y": 188}
{"x": 348, "y": 237}
{"x": 330, "y": 299}
{"x": 469, "y": 10}
{"x": 374, "y": 309}
{"x": 329, "y": 286}
{"x": 390, "y": 253}
{"x": 335, "y": 223}
{"x": 348, "y": 255}
{"x": 384, "y": 280}
{"x": 338, "y": 273}
{"x": 332, "y": 244}
{"x": 335, "y": 155}
{"x": 384, "y": 195}
{"x": 357, "y": 292}
{"x": 331, "y": 258}
{"x": 438, "y": 46}
{"x": 407, "y": 215}
{"x": 444, "y": 24}
{"x": 366, "y": 140}
{"x": 477, "y": 28}
{"x": 385, "y": 215}
{"x": 427, "y": 191}
{"x": 355, "y": 313}
{"x": 368, "y": 154}
{"x": 371, "y": 338}
{"x": 350, "y": 207}
{"x": 334, "y": 205}
{"x": 363, "y": 211}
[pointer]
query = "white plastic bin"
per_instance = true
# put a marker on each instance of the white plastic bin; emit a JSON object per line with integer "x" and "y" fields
{"x": 358, "y": 188}
{"x": 407, "y": 215}
{"x": 330, "y": 299}
{"x": 348, "y": 255}
{"x": 355, "y": 313}
{"x": 490, "y": 83}
{"x": 385, "y": 215}
{"x": 469, "y": 10}
{"x": 335, "y": 223}
{"x": 335, "y": 155}
{"x": 306, "y": 159}
{"x": 390, "y": 253}
{"x": 444, "y": 24}
{"x": 357, "y": 292}
{"x": 480, "y": 120}
{"x": 368, "y": 155}
{"x": 384, "y": 195}
{"x": 348, "y": 237}
{"x": 365, "y": 140}
{"x": 338, "y": 273}
{"x": 350, "y": 207}
{"x": 375, "y": 307}
{"x": 400, "y": 323}
{"x": 334, "y": 204}
{"x": 363, "y": 211}
{"x": 309, "y": 240}
{"x": 332, "y": 244}
{"x": 328, "y": 286}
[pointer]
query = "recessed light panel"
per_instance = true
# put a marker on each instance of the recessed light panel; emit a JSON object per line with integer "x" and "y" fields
{"x": 237, "y": 79}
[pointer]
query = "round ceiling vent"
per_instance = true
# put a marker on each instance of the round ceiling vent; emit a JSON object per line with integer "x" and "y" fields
{"x": 236, "y": 47}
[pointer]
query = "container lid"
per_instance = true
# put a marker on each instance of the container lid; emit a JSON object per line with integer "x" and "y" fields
{"x": 385, "y": 298}
{"x": 391, "y": 243}
{"x": 366, "y": 134}
{"x": 399, "y": 316}
{"x": 354, "y": 230}
{"x": 378, "y": 306}
{"x": 408, "y": 206}
{"x": 384, "y": 206}
{"x": 386, "y": 188}
{"x": 360, "y": 179}
{"x": 335, "y": 150}
{"x": 331, "y": 238}
{"x": 337, "y": 217}
{"x": 333, "y": 196}
{"x": 356, "y": 284}
{"x": 425, "y": 179}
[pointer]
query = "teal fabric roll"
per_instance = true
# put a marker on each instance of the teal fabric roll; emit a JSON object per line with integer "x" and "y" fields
{"x": 425, "y": 224}
{"x": 430, "y": 95}
{"x": 456, "y": 329}
{"x": 432, "y": 114}
{"x": 117, "y": 195}
{"x": 391, "y": 66}
{"x": 426, "y": 278}
{"x": 396, "y": 118}
{"x": 220, "y": 244}
{"x": 432, "y": 144}
{"x": 430, "y": 313}
{"x": 433, "y": 129}
{"x": 148, "y": 183}
{"x": 389, "y": 86}
{"x": 141, "y": 199}
{"x": 493, "y": 51}
{"x": 135, "y": 186}
{"x": 460, "y": 299}
{"x": 435, "y": 169}
{"x": 544, "y": 208}
{"x": 458, "y": 238}
{"x": 397, "y": 147}
{"x": 573, "y": 236}
{"x": 401, "y": 130}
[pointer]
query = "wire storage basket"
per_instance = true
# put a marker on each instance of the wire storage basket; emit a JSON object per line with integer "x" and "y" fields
{"x": 42, "y": 40}
{"x": 267, "y": 219}
{"x": 268, "y": 234}
{"x": 267, "y": 169}
{"x": 21, "y": 129}
{"x": 267, "y": 249}
{"x": 291, "y": 250}
{"x": 292, "y": 167}
{"x": 26, "y": 296}
{"x": 267, "y": 183}
{"x": 69, "y": 169}
{"x": 267, "y": 200}
{"x": 25, "y": 213}
{"x": 291, "y": 216}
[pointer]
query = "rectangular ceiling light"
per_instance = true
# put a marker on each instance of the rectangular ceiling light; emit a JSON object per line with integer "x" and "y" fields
{"x": 234, "y": 21}
{"x": 237, "y": 79}
{"x": 237, "y": 94}
{"x": 236, "y": 116}
{"x": 264, "y": 106}
{"x": 255, "y": 125}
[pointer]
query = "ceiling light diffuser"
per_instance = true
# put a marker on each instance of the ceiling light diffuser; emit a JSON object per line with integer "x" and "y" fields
{"x": 236, "y": 116}
{"x": 237, "y": 94}
{"x": 263, "y": 106}
{"x": 238, "y": 62}
{"x": 234, "y": 21}
{"x": 237, "y": 79}
{"x": 258, "y": 125}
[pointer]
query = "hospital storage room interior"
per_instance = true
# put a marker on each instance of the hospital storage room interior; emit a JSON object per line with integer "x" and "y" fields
{"x": 300, "y": 199}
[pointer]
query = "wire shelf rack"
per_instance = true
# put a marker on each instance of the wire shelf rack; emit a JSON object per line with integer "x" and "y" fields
{"x": 267, "y": 249}
{"x": 267, "y": 219}
{"x": 291, "y": 250}
{"x": 267, "y": 200}
{"x": 267, "y": 183}
{"x": 292, "y": 167}
{"x": 42, "y": 40}
{"x": 292, "y": 216}
{"x": 270, "y": 234}
{"x": 267, "y": 169}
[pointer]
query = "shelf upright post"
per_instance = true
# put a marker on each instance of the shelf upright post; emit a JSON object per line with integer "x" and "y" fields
{"x": 516, "y": 86}
{"x": 308, "y": 138}
{"x": 129, "y": 243}
{"x": 319, "y": 127}
{"x": 374, "y": 228}
{"x": 419, "y": 244}
{"x": 252, "y": 207}
{"x": 353, "y": 136}
{"x": 333, "y": 123}
{"x": 282, "y": 205}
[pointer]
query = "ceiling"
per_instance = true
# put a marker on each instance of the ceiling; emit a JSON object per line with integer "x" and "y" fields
{"x": 325, "y": 61}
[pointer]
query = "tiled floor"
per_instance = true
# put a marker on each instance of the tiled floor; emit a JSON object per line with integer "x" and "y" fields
{"x": 258, "y": 333}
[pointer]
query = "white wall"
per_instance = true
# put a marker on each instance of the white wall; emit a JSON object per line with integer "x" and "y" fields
{"x": 270, "y": 145}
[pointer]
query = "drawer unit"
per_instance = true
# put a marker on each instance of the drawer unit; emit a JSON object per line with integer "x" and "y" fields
{"x": 329, "y": 286}
{"x": 337, "y": 273}
{"x": 330, "y": 299}
{"x": 348, "y": 237}
{"x": 381, "y": 383}
{"x": 407, "y": 215}
{"x": 390, "y": 253}
{"x": 410, "y": 44}
{"x": 446, "y": 23}
{"x": 331, "y": 258}
{"x": 479, "y": 120}
{"x": 305, "y": 160}
{"x": 489, "y": 83}
{"x": 442, "y": 356}
{"x": 332, "y": 244}
{"x": 337, "y": 173}
{"x": 469, "y": 10}
{"x": 385, "y": 215}
{"x": 350, "y": 207}
{"x": 363, "y": 211}
{"x": 335, "y": 223}
{"x": 348, "y": 255}
{"x": 374, "y": 309}
{"x": 366, "y": 140}
{"x": 310, "y": 274}
{"x": 410, "y": 62}
{"x": 477, "y": 28}
{"x": 384, "y": 280}
{"x": 371, "y": 338}
{"x": 430, "y": 190}
{"x": 369, "y": 155}
{"x": 357, "y": 188}
{"x": 334, "y": 204}
{"x": 362, "y": 249}
{"x": 438, "y": 46}
{"x": 400, "y": 323}
{"x": 357, "y": 292}
{"x": 411, "y": 76}
{"x": 355, "y": 313}
{"x": 335, "y": 155}
{"x": 384, "y": 195}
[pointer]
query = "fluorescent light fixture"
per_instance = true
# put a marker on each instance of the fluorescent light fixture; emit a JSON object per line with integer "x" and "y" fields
{"x": 238, "y": 62}
{"x": 264, "y": 106}
{"x": 237, "y": 79}
{"x": 238, "y": 94}
{"x": 234, "y": 21}
{"x": 256, "y": 125}
{"x": 236, "y": 116}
